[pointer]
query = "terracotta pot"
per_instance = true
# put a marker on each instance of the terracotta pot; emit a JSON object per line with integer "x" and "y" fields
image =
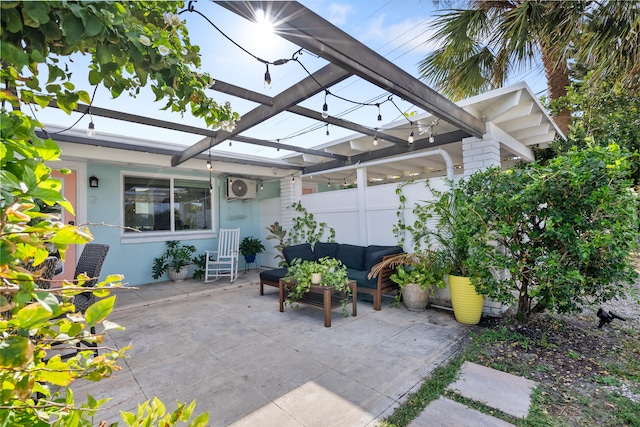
{"x": 178, "y": 276}
{"x": 414, "y": 298}
{"x": 467, "y": 303}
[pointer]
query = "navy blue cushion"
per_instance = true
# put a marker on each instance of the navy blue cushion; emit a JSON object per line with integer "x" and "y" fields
{"x": 360, "y": 276}
{"x": 323, "y": 249}
{"x": 352, "y": 256}
{"x": 273, "y": 275}
{"x": 302, "y": 251}
{"x": 376, "y": 253}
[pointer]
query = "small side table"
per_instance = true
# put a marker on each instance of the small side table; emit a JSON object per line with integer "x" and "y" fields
{"x": 323, "y": 297}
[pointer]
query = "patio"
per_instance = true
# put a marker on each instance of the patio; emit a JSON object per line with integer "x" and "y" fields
{"x": 248, "y": 364}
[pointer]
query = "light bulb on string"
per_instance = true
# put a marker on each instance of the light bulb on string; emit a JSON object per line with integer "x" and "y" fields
{"x": 329, "y": 183}
{"x": 327, "y": 129}
{"x": 91, "y": 131}
{"x": 411, "y": 138}
{"x": 379, "y": 115}
{"x": 325, "y": 107}
{"x": 267, "y": 77}
{"x": 261, "y": 185}
{"x": 375, "y": 140}
{"x": 209, "y": 167}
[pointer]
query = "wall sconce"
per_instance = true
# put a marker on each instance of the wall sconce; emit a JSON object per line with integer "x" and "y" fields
{"x": 93, "y": 182}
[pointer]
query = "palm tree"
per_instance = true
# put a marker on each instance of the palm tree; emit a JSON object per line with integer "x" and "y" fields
{"x": 482, "y": 45}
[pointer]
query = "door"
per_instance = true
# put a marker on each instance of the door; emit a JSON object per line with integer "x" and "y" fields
{"x": 69, "y": 192}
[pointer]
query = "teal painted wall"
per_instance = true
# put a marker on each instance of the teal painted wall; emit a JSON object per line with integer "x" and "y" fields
{"x": 134, "y": 260}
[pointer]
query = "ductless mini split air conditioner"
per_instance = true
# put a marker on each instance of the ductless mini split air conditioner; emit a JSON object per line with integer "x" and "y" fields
{"x": 240, "y": 189}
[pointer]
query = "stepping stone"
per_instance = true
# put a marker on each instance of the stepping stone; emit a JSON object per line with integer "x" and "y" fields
{"x": 447, "y": 413}
{"x": 509, "y": 393}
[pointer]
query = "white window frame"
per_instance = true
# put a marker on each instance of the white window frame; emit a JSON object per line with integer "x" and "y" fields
{"x": 162, "y": 236}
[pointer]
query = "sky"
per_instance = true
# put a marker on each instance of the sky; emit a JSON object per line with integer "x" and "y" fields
{"x": 398, "y": 30}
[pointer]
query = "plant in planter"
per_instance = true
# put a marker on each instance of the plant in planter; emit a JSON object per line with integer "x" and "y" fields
{"x": 249, "y": 247}
{"x": 451, "y": 238}
{"x": 176, "y": 260}
{"x": 416, "y": 274}
{"x": 331, "y": 271}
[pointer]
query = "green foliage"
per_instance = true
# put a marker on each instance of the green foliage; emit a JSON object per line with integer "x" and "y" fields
{"x": 603, "y": 113}
{"x": 424, "y": 269}
{"x": 154, "y": 412}
{"x": 131, "y": 44}
{"x": 251, "y": 245}
{"x": 306, "y": 229}
{"x": 333, "y": 273}
{"x": 279, "y": 234}
{"x": 200, "y": 263}
{"x": 557, "y": 236}
{"x": 176, "y": 256}
{"x": 447, "y": 236}
{"x": 482, "y": 45}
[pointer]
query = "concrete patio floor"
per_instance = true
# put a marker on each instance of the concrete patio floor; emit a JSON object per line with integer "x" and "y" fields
{"x": 247, "y": 364}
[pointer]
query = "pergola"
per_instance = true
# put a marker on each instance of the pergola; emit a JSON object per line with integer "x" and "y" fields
{"x": 391, "y": 155}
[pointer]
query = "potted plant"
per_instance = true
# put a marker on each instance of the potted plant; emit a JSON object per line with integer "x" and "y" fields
{"x": 249, "y": 247}
{"x": 176, "y": 260}
{"x": 451, "y": 238}
{"x": 416, "y": 274}
{"x": 331, "y": 271}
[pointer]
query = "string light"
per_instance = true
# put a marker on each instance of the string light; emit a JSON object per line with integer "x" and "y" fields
{"x": 261, "y": 185}
{"x": 209, "y": 167}
{"x": 379, "y": 115}
{"x": 267, "y": 77}
{"x": 230, "y": 143}
{"x": 375, "y": 140}
{"x": 329, "y": 183}
{"x": 411, "y": 137}
{"x": 325, "y": 107}
{"x": 91, "y": 131}
{"x": 327, "y": 129}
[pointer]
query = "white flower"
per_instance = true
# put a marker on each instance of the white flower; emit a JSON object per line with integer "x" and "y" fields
{"x": 144, "y": 40}
{"x": 171, "y": 19}
{"x": 163, "y": 50}
{"x": 227, "y": 126}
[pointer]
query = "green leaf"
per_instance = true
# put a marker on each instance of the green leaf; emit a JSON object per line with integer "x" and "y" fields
{"x": 57, "y": 372}
{"x": 12, "y": 20}
{"x": 201, "y": 420}
{"x": 99, "y": 310}
{"x": 33, "y": 315}
{"x": 72, "y": 27}
{"x": 14, "y": 56}
{"x": 95, "y": 77}
{"x": 15, "y": 352}
{"x": 35, "y": 13}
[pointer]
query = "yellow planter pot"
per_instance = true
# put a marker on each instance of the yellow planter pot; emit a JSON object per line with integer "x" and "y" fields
{"x": 467, "y": 304}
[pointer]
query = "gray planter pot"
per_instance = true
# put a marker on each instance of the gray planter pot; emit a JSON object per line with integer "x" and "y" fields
{"x": 178, "y": 276}
{"x": 415, "y": 298}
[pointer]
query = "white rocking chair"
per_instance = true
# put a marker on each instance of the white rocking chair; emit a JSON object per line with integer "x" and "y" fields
{"x": 224, "y": 261}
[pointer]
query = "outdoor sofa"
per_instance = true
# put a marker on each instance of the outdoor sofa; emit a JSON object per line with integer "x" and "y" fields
{"x": 358, "y": 259}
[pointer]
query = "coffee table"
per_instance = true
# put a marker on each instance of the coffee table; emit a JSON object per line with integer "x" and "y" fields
{"x": 325, "y": 297}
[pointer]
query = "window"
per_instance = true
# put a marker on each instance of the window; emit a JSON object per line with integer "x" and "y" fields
{"x": 166, "y": 205}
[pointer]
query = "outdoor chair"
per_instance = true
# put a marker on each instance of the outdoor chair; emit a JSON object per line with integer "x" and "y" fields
{"x": 224, "y": 261}
{"x": 90, "y": 264}
{"x": 43, "y": 272}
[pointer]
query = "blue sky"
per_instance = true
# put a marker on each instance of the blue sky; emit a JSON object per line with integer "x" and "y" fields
{"x": 396, "y": 29}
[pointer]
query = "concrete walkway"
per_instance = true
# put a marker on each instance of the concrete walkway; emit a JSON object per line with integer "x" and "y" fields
{"x": 247, "y": 364}
{"x": 508, "y": 393}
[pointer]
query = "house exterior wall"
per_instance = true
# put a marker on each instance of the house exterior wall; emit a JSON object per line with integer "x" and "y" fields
{"x": 134, "y": 259}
